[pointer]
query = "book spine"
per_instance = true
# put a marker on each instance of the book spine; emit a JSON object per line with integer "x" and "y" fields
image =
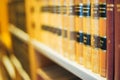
{"x": 110, "y": 39}
{"x": 95, "y": 35}
{"x": 117, "y": 40}
{"x": 62, "y": 12}
{"x": 65, "y": 28}
{"x": 51, "y": 24}
{"x": 59, "y": 22}
{"x": 55, "y": 25}
{"x": 19, "y": 12}
{"x": 79, "y": 30}
{"x": 41, "y": 37}
{"x": 102, "y": 35}
{"x": 87, "y": 33}
{"x": 71, "y": 30}
{"x": 44, "y": 22}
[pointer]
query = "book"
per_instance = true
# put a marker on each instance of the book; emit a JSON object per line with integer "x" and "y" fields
{"x": 79, "y": 30}
{"x": 59, "y": 23}
{"x": 55, "y": 25}
{"x": 65, "y": 28}
{"x": 71, "y": 30}
{"x": 45, "y": 22}
{"x": 117, "y": 40}
{"x": 110, "y": 39}
{"x": 52, "y": 27}
{"x": 102, "y": 35}
{"x": 17, "y": 14}
{"x": 87, "y": 33}
{"x": 95, "y": 56}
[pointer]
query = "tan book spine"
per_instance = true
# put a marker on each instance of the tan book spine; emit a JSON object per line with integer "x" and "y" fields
{"x": 102, "y": 34}
{"x": 55, "y": 25}
{"x": 87, "y": 33}
{"x": 51, "y": 24}
{"x": 42, "y": 22}
{"x": 71, "y": 30}
{"x": 59, "y": 22}
{"x": 79, "y": 30}
{"x": 46, "y": 22}
{"x": 95, "y": 36}
{"x": 65, "y": 28}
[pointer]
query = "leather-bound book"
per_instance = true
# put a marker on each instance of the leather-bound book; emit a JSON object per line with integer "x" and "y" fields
{"x": 110, "y": 39}
{"x": 117, "y": 39}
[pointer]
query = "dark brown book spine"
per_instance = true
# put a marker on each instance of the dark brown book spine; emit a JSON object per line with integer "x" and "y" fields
{"x": 117, "y": 39}
{"x": 110, "y": 39}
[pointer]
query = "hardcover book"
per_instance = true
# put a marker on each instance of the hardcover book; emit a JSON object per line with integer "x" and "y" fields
{"x": 79, "y": 30}
{"x": 117, "y": 40}
{"x": 110, "y": 39}
{"x": 102, "y": 35}
{"x": 71, "y": 30}
{"x": 95, "y": 36}
{"x": 87, "y": 33}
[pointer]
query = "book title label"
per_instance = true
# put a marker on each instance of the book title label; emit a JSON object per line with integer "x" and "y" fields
{"x": 87, "y": 10}
{"x": 95, "y": 10}
{"x": 102, "y": 10}
{"x": 79, "y": 37}
{"x": 87, "y": 39}
{"x": 103, "y": 43}
{"x": 79, "y": 10}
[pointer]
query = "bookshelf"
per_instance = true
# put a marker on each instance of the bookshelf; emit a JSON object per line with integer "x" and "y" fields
{"x": 49, "y": 73}
{"x": 72, "y": 67}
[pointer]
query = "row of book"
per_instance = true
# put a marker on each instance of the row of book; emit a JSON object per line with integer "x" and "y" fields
{"x": 17, "y": 15}
{"x": 85, "y": 31}
{"x": 77, "y": 29}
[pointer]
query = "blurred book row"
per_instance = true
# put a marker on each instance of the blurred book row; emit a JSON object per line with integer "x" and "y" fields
{"x": 85, "y": 32}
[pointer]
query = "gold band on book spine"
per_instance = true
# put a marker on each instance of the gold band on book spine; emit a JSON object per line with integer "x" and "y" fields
{"x": 110, "y": 7}
{"x": 118, "y": 7}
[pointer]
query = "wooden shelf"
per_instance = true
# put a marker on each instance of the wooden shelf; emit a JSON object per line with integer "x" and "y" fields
{"x": 71, "y": 66}
{"x": 19, "y": 33}
{"x": 49, "y": 73}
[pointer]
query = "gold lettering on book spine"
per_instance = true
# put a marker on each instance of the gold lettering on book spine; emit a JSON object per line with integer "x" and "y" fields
{"x": 110, "y": 7}
{"x": 118, "y": 7}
